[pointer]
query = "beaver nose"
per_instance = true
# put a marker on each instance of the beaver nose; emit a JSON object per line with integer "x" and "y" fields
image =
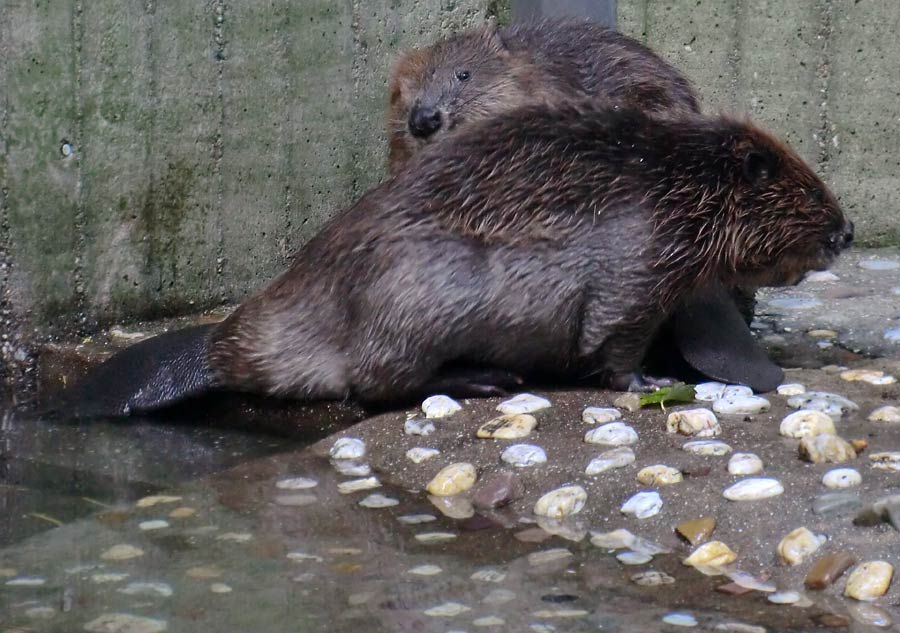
{"x": 848, "y": 233}
{"x": 424, "y": 121}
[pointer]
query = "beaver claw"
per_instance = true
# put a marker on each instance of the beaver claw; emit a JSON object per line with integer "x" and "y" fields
{"x": 638, "y": 382}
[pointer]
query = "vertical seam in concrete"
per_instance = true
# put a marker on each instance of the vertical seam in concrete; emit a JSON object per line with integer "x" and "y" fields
{"x": 218, "y": 148}
{"x": 735, "y": 54}
{"x": 150, "y": 148}
{"x": 358, "y": 63}
{"x": 645, "y": 26}
{"x": 78, "y": 85}
{"x": 290, "y": 154}
{"x": 823, "y": 74}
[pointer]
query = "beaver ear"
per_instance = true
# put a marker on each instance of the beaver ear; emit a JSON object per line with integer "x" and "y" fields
{"x": 494, "y": 38}
{"x": 759, "y": 166}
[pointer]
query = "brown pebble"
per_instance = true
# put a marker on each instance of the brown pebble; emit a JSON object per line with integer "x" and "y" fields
{"x": 859, "y": 445}
{"x": 696, "y": 531}
{"x": 828, "y": 569}
{"x": 834, "y": 621}
{"x": 498, "y": 490}
{"x": 699, "y": 471}
{"x": 733, "y": 589}
{"x": 532, "y": 535}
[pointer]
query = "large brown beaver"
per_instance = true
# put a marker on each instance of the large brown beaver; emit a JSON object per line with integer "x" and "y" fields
{"x": 489, "y": 70}
{"x": 547, "y": 240}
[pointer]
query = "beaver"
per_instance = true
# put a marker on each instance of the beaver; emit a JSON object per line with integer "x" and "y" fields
{"x": 549, "y": 241}
{"x": 488, "y": 70}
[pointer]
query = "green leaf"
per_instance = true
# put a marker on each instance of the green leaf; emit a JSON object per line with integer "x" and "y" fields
{"x": 675, "y": 393}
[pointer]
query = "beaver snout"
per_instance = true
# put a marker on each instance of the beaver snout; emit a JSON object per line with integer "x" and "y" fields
{"x": 842, "y": 238}
{"x": 424, "y": 121}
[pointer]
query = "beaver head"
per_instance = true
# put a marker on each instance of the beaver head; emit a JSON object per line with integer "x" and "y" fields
{"x": 466, "y": 77}
{"x": 752, "y": 208}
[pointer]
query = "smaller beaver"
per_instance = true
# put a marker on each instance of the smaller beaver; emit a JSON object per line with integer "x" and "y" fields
{"x": 544, "y": 241}
{"x": 488, "y": 70}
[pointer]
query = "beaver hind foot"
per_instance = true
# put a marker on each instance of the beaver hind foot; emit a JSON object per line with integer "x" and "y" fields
{"x": 155, "y": 373}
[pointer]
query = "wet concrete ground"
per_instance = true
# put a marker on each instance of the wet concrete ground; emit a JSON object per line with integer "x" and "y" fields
{"x": 246, "y": 546}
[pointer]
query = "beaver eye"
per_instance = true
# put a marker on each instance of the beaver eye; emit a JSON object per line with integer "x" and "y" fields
{"x": 817, "y": 195}
{"x": 462, "y": 75}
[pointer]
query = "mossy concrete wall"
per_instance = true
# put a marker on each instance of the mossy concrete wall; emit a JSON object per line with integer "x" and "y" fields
{"x": 164, "y": 157}
{"x": 824, "y": 74}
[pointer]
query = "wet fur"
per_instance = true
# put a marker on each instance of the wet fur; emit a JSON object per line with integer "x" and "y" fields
{"x": 546, "y": 240}
{"x": 535, "y": 63}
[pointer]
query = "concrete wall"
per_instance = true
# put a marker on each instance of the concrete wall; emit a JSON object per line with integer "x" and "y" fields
{"x": 824, "y": 74}
{"x": 163, "y": 157}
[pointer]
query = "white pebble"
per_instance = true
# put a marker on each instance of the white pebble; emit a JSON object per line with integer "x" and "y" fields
{"x": 561, "y": 502}
{"x": 889, "y": 414}
{"x": 296, "y": 483}
{"x": 26, "y": 581}
{"x": 608, "y": 460}
{"x": 523, "y": 403}
{"x": 680, "y": 619}
{"x": 617, "y": 539}
{"x": 887, "y": 460}
{"x": 709, "y": 391}
{"x": 418, "y": 426}
{"x": 633, "y": 558}
{"x": 419, "y": 454}
{"x": 156, "y": 524}
{"x": 376, "y": 500}
{"x": 425, "y": 570}
{"x": 447, "y": 610}
{"x": 430, "y": 538}
{"x": 696, "y": 422}
{"x": 488, "y": 575}
{"x": 643, "y": 505}
{"x": 806, "y": 422}
{"x": 791, "y": 389}
{"x": 416, "y": 519}
{"x": 440, "y": 407}
{"x": 754, "y": 488}
{"x": 871, "y": 376}
{"x": 892, "y": 334}
{"x": 821, "y": 275}
{"x": 612, "y": 434}
{"x": 784, "y": 597}
{"x": 707, "y": 447}
{"x": 220, "y": 587}
{"x": 842, "y": 478}
{"x": 160, "y": 589}
{"x": 741, "y": 405}
{"x": 745, "y": 464}
{"x": 348, "y": 448}
{"x": 548, "y": 556}
{"x": 355, "y": 485}
{"x": 829, "y": 403}
{"x": 350, "y": 468}
{"x": 600, "y": 415}
{"x": 524, "y": 455}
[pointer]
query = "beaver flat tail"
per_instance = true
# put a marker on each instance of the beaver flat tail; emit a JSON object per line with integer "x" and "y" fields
{"x": 152, "y": 374}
